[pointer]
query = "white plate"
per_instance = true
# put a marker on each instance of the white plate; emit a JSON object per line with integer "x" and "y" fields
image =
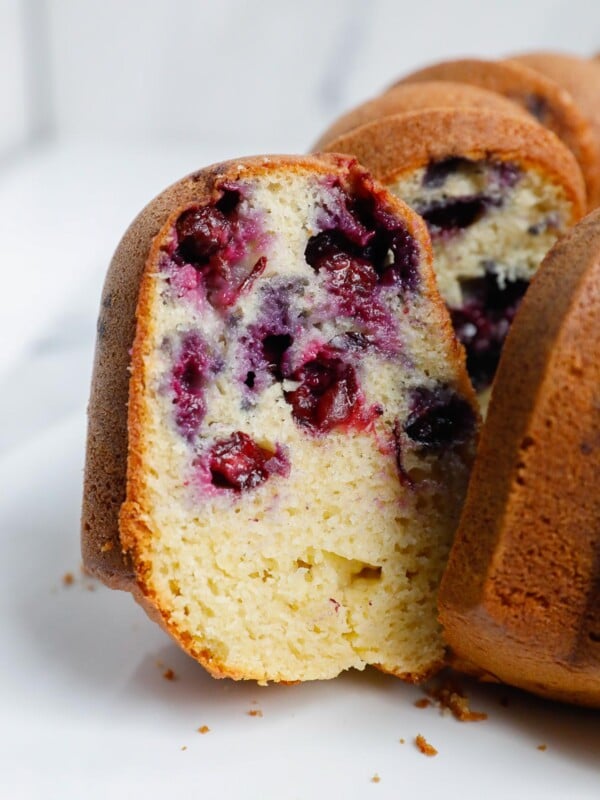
{"x": 87, "y": 713}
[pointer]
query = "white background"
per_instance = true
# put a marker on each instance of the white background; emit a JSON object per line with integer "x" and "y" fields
{"x": 103, "y": 103}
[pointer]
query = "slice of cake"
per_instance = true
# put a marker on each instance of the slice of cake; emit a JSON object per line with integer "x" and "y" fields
{"x": 300, "y": 425}
{"x": 520, "y": 599}
{"x": 496, "y": 191}
{"x": 545, "y": 99}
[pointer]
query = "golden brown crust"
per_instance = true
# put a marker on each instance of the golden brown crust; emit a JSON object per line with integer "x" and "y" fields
{"x": 521, "y": 595}
{"x": 417, "y": 97}
{"x": 581, "y": 78}
{"x": 106, "y": 458}
{"x": 390, "y": 146}
{"x": 547, "y": 101}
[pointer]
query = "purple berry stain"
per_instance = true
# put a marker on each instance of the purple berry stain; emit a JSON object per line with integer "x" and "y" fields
{"x": 238, "y": 463}
{"x": 328, "y": 395}
{"x": 483, "y": 322}
{"x": 438, "y": 419}
{"x": 188, "y": 379}
{"x": 211, "y": 244}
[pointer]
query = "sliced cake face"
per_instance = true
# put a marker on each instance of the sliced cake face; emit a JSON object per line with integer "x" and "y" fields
{"x": 495, "y": 192}
{"x": 301, "y": 428}
{"x": 491, "y": 223}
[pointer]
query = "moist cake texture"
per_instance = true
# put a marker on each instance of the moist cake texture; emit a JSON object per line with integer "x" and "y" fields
{"x": 300, "y": 426}
{"x": 495, "y": 192}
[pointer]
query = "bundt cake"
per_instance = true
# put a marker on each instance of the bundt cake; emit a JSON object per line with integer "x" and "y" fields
{"x": 580, "y": 77}
{"x": 283, "y": 493}
{"x": 542, "y": 97}
{"x": 495, "y": 191}
{"x": 520, "y": 598}
{"x": 416, "y": 97}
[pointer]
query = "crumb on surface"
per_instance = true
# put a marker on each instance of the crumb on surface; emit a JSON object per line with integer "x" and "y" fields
{"x": 450, "y": 697}
{"x": 169, "y": 675}
{"x": 542, "y": 747}
{"x": 254, "y": 712}
{"x": 203, "y": 729}
{"x": 424, "y": 702}
{"x": 375, "y": 778}
{"x": 68, "y": 579}
{"x": 424, "y": 746}
{"x": 184, "y": 747}
{"x": 402, "y": 741}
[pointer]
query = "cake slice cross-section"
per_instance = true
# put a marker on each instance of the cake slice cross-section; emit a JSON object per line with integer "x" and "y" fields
{"x": 300, "y": 425}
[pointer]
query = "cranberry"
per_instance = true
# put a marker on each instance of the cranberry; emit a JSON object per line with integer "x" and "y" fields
{"x": 454, "y": 214}
{"x": 439, "y": 418}
{"x": 403, "y": 270}
{"x": 239, "y": 463}
{"x": 483, "y": 322}
{"x": 438, "y": 172}
{"x": 328, "y": 394}
{"x": 201, "y": 233}
{"x": 187, "y": 381}
{"x": 354, "y": 271}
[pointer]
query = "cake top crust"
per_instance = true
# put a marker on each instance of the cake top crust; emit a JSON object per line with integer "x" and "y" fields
{"x": 407, "y": 97}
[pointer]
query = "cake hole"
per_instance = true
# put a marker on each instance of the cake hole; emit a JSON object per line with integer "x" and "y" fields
{"x": 174, "y": 587}
{"x": 367, "y": 573}
{"x": 594, "y": 637}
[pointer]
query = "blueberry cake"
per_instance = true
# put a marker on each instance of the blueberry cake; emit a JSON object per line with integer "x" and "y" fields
{"x": 520, "y": 599}
{"x": 580, "y": 77}
{"x": 283, "y": 494}
{"x": 496, "y": 191}
{"x": 544, "y": 99}
{"x": 416, "y": 97}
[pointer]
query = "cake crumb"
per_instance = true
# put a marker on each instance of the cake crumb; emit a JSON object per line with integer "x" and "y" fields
{"x": 68, "y": 579}
{"x": 449, "y": 696}
{"x": 424, "y": 702}
{"x": 203, "y": 729}
{"x": 402, "y": 741}
{"x": 169, "y": 675}
{"x": 375, "y": 778}
{"x": 106, "y": 547}
{"x": 542, "y": 747}
{"x": 184, "y": 747}
{"x": 254, "y": 712}
{"x": 424, "y": 746}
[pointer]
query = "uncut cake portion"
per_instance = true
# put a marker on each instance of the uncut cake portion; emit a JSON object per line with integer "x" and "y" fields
{"x": 495, "y": 190}
{"x": 300, "y": 426}
{"x": 520, "y": 598}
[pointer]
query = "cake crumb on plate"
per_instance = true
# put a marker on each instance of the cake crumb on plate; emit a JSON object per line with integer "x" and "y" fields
{"x": 424, "y": 746}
